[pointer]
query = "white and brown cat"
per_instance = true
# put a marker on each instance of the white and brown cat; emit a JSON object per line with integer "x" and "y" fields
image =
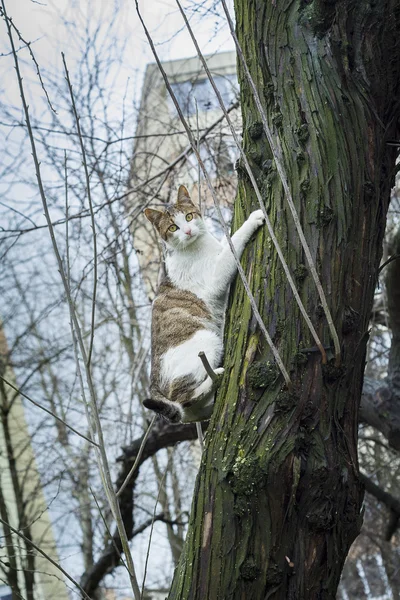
{"x": 189, "y": 309}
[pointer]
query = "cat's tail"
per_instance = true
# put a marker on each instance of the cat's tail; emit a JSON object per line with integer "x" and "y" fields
{"x": 171, "y": 411}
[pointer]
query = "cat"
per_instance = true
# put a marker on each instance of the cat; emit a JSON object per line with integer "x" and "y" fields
{"x": 189, "y": 309}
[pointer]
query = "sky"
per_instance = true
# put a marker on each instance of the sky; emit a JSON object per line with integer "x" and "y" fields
{"x": 43, "y": 24}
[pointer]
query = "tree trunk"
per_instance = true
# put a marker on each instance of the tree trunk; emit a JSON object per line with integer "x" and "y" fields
{"x": 277, "y": 501}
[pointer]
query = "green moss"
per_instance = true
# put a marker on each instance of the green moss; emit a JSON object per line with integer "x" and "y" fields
{"x": 255, "y": 130}
{"x": 246, "y": 476}
{"x": 300, "y": 273}
{"x": 300, "y": 157}
{"x": 277, "y": 119}
{"x": 261, "y": 374}
{"x": 249, "y": 570}
{"x": 241, "y": 506}
{"x": 268, "y": 165}
{"x": 304, "y": 187}
{"x": 269, "y": 180}
{"x": 241, "y": 170}
{"x": 285, "y": 401}
{"x": 255, "y": 156}
{"x": 269, "y": 91}
{"x": 279, "y": 330}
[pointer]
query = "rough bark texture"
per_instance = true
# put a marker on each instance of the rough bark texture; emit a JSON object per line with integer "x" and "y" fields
{"x": 277, "y": 501}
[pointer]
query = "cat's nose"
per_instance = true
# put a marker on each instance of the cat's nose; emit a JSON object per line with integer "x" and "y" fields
{"x": 188, "y": 232}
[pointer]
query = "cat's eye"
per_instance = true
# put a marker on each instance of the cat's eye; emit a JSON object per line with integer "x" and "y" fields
{"x": 189, "y": 216}
{"x": 172, "y": 228}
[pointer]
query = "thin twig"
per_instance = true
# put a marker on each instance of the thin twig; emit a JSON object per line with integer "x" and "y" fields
{"x": 85, "y": 167}
{"x": 138, "y": 457}
{"x": 210, "y": 372}
{"x": 42, "y": 552}
{"x": 217, "y": 207}
{"x": 152, "y": 526}
{"x": 198, "y": 424}
{"x": 277, "y": 154}
{"x": 28, "y": 45}
{"x": 66, "y": 219}
{"x": 110, "y": 535}
{"x": 198, "y": 150}
{"x": 200, "y": 436}
{"x": 48, "y": 411}
{"x": 388, "y": 261}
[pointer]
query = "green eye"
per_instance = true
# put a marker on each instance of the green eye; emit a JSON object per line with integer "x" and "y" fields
{"x": 189, "y": 216}
{"x": 172, "y": 228}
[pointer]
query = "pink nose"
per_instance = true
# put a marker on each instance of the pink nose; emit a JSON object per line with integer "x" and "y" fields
{"x": 188, "y": 231}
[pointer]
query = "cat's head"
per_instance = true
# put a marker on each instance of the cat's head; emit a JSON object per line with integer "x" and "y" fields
{"x": 181, "y": 224}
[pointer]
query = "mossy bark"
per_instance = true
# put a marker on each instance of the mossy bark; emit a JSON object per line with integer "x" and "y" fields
{"x": 278, "y": 499}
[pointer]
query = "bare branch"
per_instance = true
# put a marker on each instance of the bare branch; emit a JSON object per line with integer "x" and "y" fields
{"x": 138, "y": 457}
{"x": 48, "y": 411}
{"x": 392, "y": 503}
{"x": 53, "y": 562}
{"x": 85, "y": 166}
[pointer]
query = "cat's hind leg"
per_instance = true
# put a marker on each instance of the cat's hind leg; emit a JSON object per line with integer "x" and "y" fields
{"x": 183, "y": 360}
{"x": 208, "y": 385}
{"x": 171, "y": 411}
{"x": 200, "y": 405}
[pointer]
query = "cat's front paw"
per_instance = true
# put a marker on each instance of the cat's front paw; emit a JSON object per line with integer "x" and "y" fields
{"x": 219, "y": 370}
{"x": 256, "y": 218}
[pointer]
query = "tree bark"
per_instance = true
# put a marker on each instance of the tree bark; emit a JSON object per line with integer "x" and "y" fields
{"x": 278, "y": 497}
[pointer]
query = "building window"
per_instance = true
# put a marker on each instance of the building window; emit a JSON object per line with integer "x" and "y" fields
{"x": 201, "y": 90}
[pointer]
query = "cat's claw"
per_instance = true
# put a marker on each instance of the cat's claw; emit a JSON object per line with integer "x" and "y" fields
{"x": 257, "y": 217}
{"x": 219, "y": 372}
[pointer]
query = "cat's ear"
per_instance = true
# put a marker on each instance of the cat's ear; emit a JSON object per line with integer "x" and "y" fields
{"x": 183, "y": 195}
{"x": 154, "y": 216}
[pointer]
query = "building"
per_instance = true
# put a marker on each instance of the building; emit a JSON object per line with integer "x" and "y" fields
{"x": 23, "y": 505}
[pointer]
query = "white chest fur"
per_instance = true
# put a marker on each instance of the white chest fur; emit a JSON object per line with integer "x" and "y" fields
{"x": 194, "y": 268}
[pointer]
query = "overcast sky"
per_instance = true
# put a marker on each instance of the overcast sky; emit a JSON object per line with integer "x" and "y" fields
{"x": 42, "y": 23}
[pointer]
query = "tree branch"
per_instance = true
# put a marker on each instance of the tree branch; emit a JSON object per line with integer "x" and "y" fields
{"x": 390, "y": 501}
{"x": 380, "y": 409}
{"x": 163, "y": 435}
